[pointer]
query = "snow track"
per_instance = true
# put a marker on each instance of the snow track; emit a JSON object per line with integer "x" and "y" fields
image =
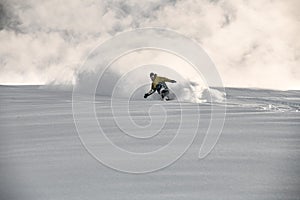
{"x": 257, "y": 155}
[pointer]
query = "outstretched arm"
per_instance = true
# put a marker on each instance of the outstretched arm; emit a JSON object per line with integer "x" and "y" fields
{"x": 151, "y": 91}
{"x": 164, "y": 79}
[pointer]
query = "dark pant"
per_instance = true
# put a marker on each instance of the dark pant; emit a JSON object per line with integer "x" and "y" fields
{"x": 162, "y": 89}
{"x": 164, "y": 93}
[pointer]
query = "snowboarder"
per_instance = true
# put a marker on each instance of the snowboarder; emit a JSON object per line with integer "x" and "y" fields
{"x": 159, "y": 85}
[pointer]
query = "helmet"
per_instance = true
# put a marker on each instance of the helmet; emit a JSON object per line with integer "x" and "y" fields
{"x": 152, "y": 74}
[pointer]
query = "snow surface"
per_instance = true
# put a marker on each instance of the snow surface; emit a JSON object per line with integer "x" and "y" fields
{"x": 256, "y": 157}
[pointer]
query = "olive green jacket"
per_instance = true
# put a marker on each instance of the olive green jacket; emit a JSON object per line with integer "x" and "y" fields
{"x": 156, "y": 81}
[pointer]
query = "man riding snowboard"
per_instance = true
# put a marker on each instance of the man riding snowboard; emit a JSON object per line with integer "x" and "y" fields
{"x": 159, "y": 85}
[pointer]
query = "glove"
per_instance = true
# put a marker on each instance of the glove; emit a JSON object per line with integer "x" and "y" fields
{"x": 173, "y": 81}
{"x": 146, "y": 95}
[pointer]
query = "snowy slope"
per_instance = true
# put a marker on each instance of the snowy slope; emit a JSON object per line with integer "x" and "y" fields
{"x": 42, "y": 157}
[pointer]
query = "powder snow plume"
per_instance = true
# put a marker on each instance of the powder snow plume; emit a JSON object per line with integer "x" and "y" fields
{"x": 253, "y": 43}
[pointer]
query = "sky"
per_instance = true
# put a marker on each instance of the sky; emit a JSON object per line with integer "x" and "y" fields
{"x": 252, "y": 43}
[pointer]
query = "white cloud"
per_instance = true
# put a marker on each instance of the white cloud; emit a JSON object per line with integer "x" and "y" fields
{"x": 253, "y": 43}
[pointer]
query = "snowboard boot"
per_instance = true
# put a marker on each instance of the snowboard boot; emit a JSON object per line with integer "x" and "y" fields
{"x": 165, "y": 95}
